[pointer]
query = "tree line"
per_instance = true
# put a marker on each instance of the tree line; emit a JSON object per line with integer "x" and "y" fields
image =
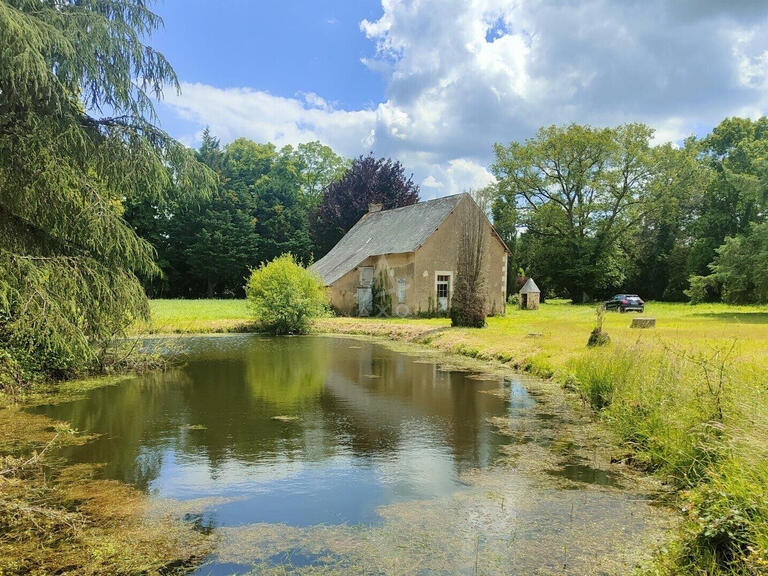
{"x": 586, "y": 211}
{"x": 268, "y": 202}
{"x": 591, "y": 211}
{"x": 99, "y": 206}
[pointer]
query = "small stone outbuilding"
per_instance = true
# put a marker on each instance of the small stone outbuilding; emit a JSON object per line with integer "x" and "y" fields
{"x": 406, "y": 258}
{"x": 530, "y": 295}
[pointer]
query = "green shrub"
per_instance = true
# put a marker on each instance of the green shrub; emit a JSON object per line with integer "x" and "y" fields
{"x": 284, "y": 297}
{"x": 702, "y": 289}
{"x": 727, "y": 517}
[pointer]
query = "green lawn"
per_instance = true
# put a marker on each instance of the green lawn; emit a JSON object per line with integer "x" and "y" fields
{"x": 552, "y": 335}
{"x": 182, "y": 316}
{"x": 557, "y": 333}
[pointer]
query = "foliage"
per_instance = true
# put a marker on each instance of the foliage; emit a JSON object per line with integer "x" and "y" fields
{"x": 580, "y": 192}
{"x": 285, "y": 297}
{"x": 660, "y": 247}
{"x": 740, "y": 268}
{"x": 319, "y": 166}
{"x": 505, "y": 217}
{"x": 381, "y": 295}
{"x": 696, "y": 419}
{"x": 726, "y": 524}
{"x": 628, "y": 216}
{"x": 260, "y": 210}
{"x": 68, "y": 261}
{"x": 736, "y": 152}
{"x": 468, "y": 299}
{"x": 368, "y": 180}
{"x": 702, "y": 289}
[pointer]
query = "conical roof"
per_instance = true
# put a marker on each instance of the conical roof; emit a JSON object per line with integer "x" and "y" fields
{"x": 530, "y": 287}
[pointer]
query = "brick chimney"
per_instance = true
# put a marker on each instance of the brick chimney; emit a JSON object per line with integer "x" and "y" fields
{"x": 374, "y": 207}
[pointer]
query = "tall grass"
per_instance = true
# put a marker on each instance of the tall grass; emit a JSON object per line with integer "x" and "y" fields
{"x": 700, "y": 421}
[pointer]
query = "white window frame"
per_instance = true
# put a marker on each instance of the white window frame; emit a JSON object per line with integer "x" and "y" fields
{"x": 450, "y": 284}
{"x": 402, "y": 286}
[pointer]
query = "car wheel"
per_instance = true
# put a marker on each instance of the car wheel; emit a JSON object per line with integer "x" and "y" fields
{"x": 622, "y": 309}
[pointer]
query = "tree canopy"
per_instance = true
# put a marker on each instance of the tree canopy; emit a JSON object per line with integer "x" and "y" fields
{"x": 76, "y": 139}
{"x": 368, "y": 180}
{"x": 579, "y": 192}
{"x": 260, "y": 209}
{"x": 588, "y": 211}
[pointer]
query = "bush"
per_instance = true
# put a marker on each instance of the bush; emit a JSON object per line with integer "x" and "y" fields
{"x": 284, "y": 297}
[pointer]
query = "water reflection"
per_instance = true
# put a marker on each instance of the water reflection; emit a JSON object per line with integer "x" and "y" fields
{"x": 300, "y": 431}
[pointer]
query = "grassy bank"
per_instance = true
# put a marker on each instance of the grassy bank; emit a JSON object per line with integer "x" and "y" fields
{"x": 542, "y": 341}
{"x": 687, "y": 401}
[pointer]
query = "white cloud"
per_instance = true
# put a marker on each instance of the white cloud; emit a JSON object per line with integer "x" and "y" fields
{"x": 463, "y": 75}
{"x": 431, "y": 182}
{"x": 235, "y": 112}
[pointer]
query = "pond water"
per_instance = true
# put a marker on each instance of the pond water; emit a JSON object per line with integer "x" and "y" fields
{"x": 325, "y": 454}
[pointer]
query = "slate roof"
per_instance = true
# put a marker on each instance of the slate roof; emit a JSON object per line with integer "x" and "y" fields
{"x": 530, "y": 287}
{"x": 393, "y": 231}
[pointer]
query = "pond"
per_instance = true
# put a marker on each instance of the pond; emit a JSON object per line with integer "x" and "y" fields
{"x": 324, "y": 454}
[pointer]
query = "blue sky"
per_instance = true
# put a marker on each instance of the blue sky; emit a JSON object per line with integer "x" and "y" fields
{"x": 283, "y": 47}
{"x": 435, "y": 83}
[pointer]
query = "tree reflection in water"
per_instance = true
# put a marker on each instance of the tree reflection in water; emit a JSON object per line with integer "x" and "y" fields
{"x": 257, "y": 417}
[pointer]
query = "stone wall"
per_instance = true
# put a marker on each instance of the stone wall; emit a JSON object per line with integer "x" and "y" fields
{"x": 419, "y": 270}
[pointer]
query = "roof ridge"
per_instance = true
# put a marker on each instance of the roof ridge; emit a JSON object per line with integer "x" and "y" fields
{"x": 420, "y": 202}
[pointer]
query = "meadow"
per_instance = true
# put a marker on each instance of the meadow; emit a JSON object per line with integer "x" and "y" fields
{"x": 195, "y": 316}
{"x": 686, "y": 400}
{"x": 542, "y": 341}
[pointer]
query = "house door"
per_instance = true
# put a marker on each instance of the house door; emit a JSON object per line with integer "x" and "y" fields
{"x": 364, "y": 301}
{"x": 365, "y": 291}
{"x": 443, "y": 291}
{"x": 524, "y": 301}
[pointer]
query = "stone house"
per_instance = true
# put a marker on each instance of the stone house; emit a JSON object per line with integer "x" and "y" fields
{"x": 403, "y": 261}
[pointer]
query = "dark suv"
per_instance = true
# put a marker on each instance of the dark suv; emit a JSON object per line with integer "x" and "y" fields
{"x": 624, "y": 302}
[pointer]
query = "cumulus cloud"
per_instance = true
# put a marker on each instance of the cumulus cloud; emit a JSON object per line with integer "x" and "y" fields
{"x": 235, "y": 112}
{"x": 463, "y": 75}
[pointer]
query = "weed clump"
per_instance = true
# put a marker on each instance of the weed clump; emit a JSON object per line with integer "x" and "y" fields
{"x": 598, "y": 337}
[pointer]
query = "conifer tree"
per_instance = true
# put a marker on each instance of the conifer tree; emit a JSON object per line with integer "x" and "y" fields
{"x": 77, "y": 137}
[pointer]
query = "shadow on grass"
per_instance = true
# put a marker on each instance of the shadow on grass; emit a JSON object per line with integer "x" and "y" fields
{"x": 736, "y": 317}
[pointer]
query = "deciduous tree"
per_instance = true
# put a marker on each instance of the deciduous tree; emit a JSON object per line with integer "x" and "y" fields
{"x": 468, "y": 300}
{"x": 368, "y": 180}
{"x": 579, "y": 192}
